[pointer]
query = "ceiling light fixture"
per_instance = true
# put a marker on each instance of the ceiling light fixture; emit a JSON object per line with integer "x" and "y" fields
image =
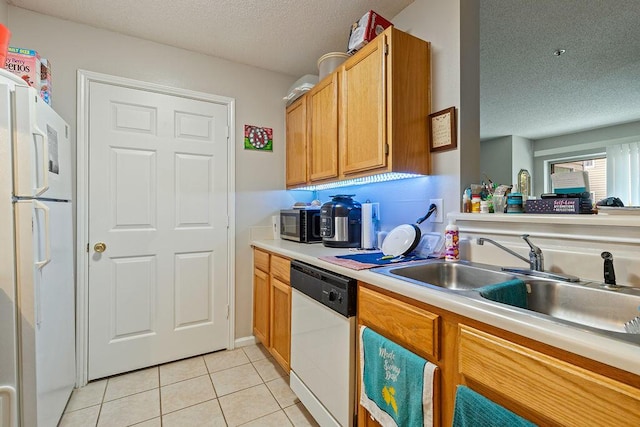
{"x": 559, "y": 52}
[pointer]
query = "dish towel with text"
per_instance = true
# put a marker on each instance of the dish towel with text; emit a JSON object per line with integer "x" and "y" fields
{"x": 396, "y": 385}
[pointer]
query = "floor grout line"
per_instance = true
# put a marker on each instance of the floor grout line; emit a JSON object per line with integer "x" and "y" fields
{"x": 216, "y": 398}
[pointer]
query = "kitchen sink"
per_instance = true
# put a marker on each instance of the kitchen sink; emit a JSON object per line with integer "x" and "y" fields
{"x": 586, "y": 304}
{"x": 458, "y": 276}
{"x": 582, "y": 304}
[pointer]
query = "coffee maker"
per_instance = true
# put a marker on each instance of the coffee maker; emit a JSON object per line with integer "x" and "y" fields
{"x": 340, "y": 222}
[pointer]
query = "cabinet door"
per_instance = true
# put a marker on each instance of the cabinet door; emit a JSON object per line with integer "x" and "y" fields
{"x": 296, "y": 163}
{"x": 261, "y": 302}
{"x": 547, "y": 390}
{"x": 363, "y": 109}
{"x": 281, "y": 322}
{"x": 323, "y": 129}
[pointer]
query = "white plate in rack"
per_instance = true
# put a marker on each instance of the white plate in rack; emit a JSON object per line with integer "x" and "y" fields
{"x": 615, "y": 210}
{"x": 401, "y": 240}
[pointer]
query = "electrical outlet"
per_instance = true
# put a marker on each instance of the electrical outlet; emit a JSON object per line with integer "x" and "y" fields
{"x": 439, "y": 214}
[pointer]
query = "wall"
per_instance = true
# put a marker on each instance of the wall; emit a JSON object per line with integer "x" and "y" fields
{"x": 258, "y": 94}
{"x": 522, "y": 158}
{"x": 496, "y": 158}
{"x": 4, "y": 12}
{"x": 579, "y": 144}
{"x": 502, "y": 158}
{"x": 452, "y": 27}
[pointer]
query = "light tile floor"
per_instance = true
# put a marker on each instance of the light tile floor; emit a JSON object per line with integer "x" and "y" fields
{"x": 241, "y": 387}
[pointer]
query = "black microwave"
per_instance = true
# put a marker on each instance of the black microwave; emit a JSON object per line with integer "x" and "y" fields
{"x": 300, "y": 225}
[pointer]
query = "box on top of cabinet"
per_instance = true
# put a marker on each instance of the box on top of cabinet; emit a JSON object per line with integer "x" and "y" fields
{"x": 365, "y": 30}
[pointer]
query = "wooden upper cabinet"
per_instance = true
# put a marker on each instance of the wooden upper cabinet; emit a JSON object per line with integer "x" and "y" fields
{"x": 296, "y": 141}
{"x": 363, "y": 106}
{"x": 322, "y": 105}
{"x": 370, "y": 115}
{"x": 386, "y": 100}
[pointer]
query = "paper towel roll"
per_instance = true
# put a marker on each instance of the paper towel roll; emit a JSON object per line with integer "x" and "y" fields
{"x": 370, "y": 218}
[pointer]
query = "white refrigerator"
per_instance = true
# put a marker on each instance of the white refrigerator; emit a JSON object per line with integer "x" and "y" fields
{"x": 37, "y": 291}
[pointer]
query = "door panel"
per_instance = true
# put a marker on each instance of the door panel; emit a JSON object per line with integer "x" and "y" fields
{"x": 323, "y": 130}
{"x": 193, "y": 289}
{"x": 133, "y": 291}
{"x": 158, "y": 200}
{"x": 363, "y": 112}
{"x": 134, "y": 192}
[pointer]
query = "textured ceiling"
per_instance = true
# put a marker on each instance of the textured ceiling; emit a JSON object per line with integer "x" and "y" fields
{"x": 525, "y": 89}
{"x": 529, "y": 92}
{"x": 287, "y": 36}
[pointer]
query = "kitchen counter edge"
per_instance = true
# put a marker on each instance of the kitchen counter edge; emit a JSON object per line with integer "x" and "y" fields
{"x": 620, "y": 354}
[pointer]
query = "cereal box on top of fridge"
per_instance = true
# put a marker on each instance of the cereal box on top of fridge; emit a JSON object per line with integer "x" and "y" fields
{"x": 25, "y": 63}
{"x": 45, "y": 80}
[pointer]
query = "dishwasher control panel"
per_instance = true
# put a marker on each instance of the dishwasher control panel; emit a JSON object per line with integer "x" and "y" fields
{"x": 333, "y": 290}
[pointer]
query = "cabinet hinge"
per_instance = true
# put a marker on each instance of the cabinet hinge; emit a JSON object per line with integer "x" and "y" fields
{"x": 227, "y": 311}
{"x": 386, "y": 49}
{"x": 386, "y": 149}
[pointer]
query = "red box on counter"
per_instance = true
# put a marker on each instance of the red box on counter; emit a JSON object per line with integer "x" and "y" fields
{"x": 365, "y": 30}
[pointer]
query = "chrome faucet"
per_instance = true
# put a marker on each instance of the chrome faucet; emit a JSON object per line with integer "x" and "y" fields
{"x": 536, "y": 259}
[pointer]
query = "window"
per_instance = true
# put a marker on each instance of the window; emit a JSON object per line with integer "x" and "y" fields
{"x": 596, "y": 168}
{"x": 623, "y": 163}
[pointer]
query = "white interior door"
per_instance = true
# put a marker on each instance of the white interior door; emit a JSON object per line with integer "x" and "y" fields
{"x": 158, "y": 200}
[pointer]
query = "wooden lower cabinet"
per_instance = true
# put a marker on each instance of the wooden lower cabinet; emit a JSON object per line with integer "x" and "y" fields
{"x": 261, "y": 302}
{"x": 406, "y": 324}
{"x": 272, "y": 304}
{"x": 549, "y": 390}
{"x": 546, "y": 385}
{"x": 281, "y": 322}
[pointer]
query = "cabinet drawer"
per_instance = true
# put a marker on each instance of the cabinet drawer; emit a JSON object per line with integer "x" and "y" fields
{"x": 280, "y": 268}
{"x": 261, "y": 260}
{"x": 410, "y": 326}
{"x": 557, "y": 391}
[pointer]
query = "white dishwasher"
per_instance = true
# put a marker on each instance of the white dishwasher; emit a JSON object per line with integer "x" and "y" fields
{"x": 323, "y": 334}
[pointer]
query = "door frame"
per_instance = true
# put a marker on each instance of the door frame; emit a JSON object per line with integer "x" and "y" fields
{"x": 82, "y": 201}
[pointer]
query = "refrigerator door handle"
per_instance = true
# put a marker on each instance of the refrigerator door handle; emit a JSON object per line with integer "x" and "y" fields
{"x": 47, "y": 242}
{"x": 45, "y": 161}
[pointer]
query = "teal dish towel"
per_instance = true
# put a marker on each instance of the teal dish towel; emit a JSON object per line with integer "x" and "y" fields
{"x": 396, "y": 385}
{"x": 474, "y": 410}
{"x": 513, "y": 292}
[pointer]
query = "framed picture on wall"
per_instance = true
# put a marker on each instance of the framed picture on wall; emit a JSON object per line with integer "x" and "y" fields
{"x": 258, "y": 138}
{"x": 442, "y": 130}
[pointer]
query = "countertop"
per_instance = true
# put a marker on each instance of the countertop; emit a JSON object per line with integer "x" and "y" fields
{"x": 610, "y": 351}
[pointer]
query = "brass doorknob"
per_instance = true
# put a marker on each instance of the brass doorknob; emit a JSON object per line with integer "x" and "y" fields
{"x": 99, "y": 247}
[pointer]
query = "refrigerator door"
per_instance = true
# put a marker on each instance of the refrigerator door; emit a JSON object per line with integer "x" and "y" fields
{"x": 42, "y": 151}
{"x": 46, "y": 296}
{"x": 8, "y": 327}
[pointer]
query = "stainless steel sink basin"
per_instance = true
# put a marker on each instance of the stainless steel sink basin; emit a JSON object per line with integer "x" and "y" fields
{"x": 589, "y": 305}
{"x": 454, "y": 276}
{"x": 581, "y": 304}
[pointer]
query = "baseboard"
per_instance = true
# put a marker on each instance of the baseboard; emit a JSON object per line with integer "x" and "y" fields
{"x": 245, "y": 341}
